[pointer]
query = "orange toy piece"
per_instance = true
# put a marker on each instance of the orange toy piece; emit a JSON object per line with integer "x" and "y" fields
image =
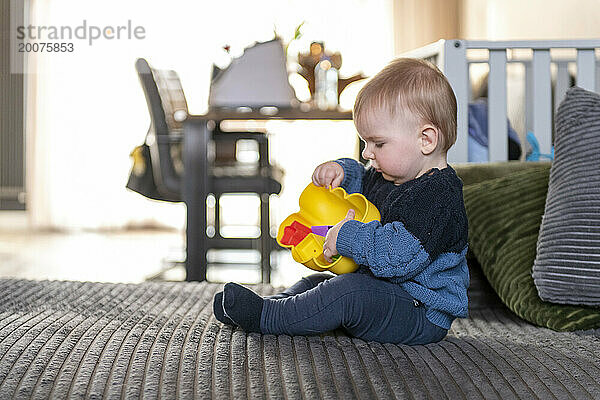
{"x": 322, "y": 206}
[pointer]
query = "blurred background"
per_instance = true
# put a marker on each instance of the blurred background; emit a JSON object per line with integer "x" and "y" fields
{"x": 69, "y": 215}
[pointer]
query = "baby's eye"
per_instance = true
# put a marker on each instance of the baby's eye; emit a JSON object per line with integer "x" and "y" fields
{"x": 379, "y": 145}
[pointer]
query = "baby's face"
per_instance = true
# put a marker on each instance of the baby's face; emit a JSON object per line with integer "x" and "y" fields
{"x": 393, "y": 146}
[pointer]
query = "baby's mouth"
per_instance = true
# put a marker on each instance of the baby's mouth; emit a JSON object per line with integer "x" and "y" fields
{"x": 374, "y": 166}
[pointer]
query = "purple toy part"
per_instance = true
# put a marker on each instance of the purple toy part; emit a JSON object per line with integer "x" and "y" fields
{"x": 320, "y": 230}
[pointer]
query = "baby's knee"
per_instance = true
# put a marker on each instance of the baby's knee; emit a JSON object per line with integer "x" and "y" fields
{"x": 354, "y": 288}
{"x": 314, "y": 279}
{"x": 353, "y": 280}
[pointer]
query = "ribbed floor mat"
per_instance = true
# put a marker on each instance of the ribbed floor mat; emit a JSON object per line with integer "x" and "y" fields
{"x": 98, "y": 340}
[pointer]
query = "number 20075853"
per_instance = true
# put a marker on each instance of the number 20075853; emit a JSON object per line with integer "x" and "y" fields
{"x": 39, "y": 47}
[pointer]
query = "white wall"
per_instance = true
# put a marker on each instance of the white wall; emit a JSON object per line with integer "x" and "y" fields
{"x": 530, "y": 19}
{"x": 419, "y": 22}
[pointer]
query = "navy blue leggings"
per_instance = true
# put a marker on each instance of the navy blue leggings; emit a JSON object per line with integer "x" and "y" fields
{"x": 365, "y": 307}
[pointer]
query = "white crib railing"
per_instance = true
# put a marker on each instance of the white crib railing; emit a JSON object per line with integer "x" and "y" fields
{"x": 454, "y": 57}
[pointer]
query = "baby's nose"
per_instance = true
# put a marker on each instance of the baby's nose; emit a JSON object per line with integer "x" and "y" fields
{"x": 367, "y": 154}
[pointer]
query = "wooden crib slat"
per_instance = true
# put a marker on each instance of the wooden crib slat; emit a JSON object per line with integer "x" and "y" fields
{"x": 586, "y": 69}
{"x": 456, "y": 69}
{"x": 528, "y": 96}
{"x": 497, "y": 122}
{"x": 598, "y": 77}
{"x": 542, "y": 104}
{"x": 562, "y": 82}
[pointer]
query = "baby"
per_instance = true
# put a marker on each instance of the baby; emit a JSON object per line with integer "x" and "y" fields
{"x": 412, "y": 278}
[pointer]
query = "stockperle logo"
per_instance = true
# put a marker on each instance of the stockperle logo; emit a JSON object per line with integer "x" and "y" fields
{"x": 85, "y": 31}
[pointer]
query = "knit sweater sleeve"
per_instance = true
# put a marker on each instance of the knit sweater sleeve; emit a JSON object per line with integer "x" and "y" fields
{"x": 390, "y": 250}
{"x": 353, "y": 175}
{"x": 403, "y": 248}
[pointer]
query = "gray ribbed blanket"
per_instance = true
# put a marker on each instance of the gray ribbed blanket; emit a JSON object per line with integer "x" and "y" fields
{"x": 96, "y": 340}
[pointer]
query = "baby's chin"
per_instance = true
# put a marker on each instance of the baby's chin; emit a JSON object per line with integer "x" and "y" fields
{"x": 390, "y": 178}
{"x": 386, "y": 176}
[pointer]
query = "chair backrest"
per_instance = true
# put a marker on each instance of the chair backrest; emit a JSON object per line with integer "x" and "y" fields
{"x": 175, "y": 106}
{"x": 166, "y": 176}
{"x": 172, "y": 98}
{"x": 168, "y": 108}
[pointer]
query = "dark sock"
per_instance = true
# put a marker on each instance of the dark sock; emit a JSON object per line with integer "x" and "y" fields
{"x": 243, "y": 306}
{"x": 218, "y": 309}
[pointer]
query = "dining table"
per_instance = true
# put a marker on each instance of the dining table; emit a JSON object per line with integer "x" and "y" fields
{"x": 196, "y": 183}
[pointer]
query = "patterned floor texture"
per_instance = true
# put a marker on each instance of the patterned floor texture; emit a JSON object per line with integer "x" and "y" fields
{"x": 62, "y": 339}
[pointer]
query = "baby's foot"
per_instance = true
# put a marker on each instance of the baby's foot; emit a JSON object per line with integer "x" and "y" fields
{"x": 218, "y": 309}
{"x": 242, "y": 306}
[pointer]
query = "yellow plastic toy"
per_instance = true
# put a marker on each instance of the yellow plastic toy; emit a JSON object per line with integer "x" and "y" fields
{"x": 323, "y": 206}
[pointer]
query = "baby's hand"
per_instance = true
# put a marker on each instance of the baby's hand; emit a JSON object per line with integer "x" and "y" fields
{"x": 329, "y": 247}
{"x": 328, "y": 174}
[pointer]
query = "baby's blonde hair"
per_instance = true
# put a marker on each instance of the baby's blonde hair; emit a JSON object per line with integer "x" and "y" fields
{"x": 409, "y": 86}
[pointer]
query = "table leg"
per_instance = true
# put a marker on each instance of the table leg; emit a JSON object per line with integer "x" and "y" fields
{"x": 195, "y": 189}
{"x": 265, "y": 239}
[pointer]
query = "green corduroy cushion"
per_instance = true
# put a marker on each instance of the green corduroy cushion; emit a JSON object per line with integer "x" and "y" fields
{"x": 471, "y": 173}
{"x": 504, "y": 215}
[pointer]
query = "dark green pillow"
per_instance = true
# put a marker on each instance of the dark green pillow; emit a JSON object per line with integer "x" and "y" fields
{"x": 504, "y": 221}
{"x": 471, "y": 173}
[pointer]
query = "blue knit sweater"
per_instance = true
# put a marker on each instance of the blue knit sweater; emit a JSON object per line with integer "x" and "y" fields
{"x": 420, "y": 242}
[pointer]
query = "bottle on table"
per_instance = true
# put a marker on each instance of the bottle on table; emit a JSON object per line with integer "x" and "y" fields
{"x": 326, "y": 85}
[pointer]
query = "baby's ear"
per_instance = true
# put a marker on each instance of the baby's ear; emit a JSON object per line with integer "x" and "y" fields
{"x": 429, "y": 138}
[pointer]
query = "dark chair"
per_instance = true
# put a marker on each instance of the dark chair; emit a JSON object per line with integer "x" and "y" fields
{"x": 168, "y": 109}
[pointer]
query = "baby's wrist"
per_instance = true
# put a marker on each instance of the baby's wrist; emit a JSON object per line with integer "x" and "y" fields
{"x": 346, "y": 237}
